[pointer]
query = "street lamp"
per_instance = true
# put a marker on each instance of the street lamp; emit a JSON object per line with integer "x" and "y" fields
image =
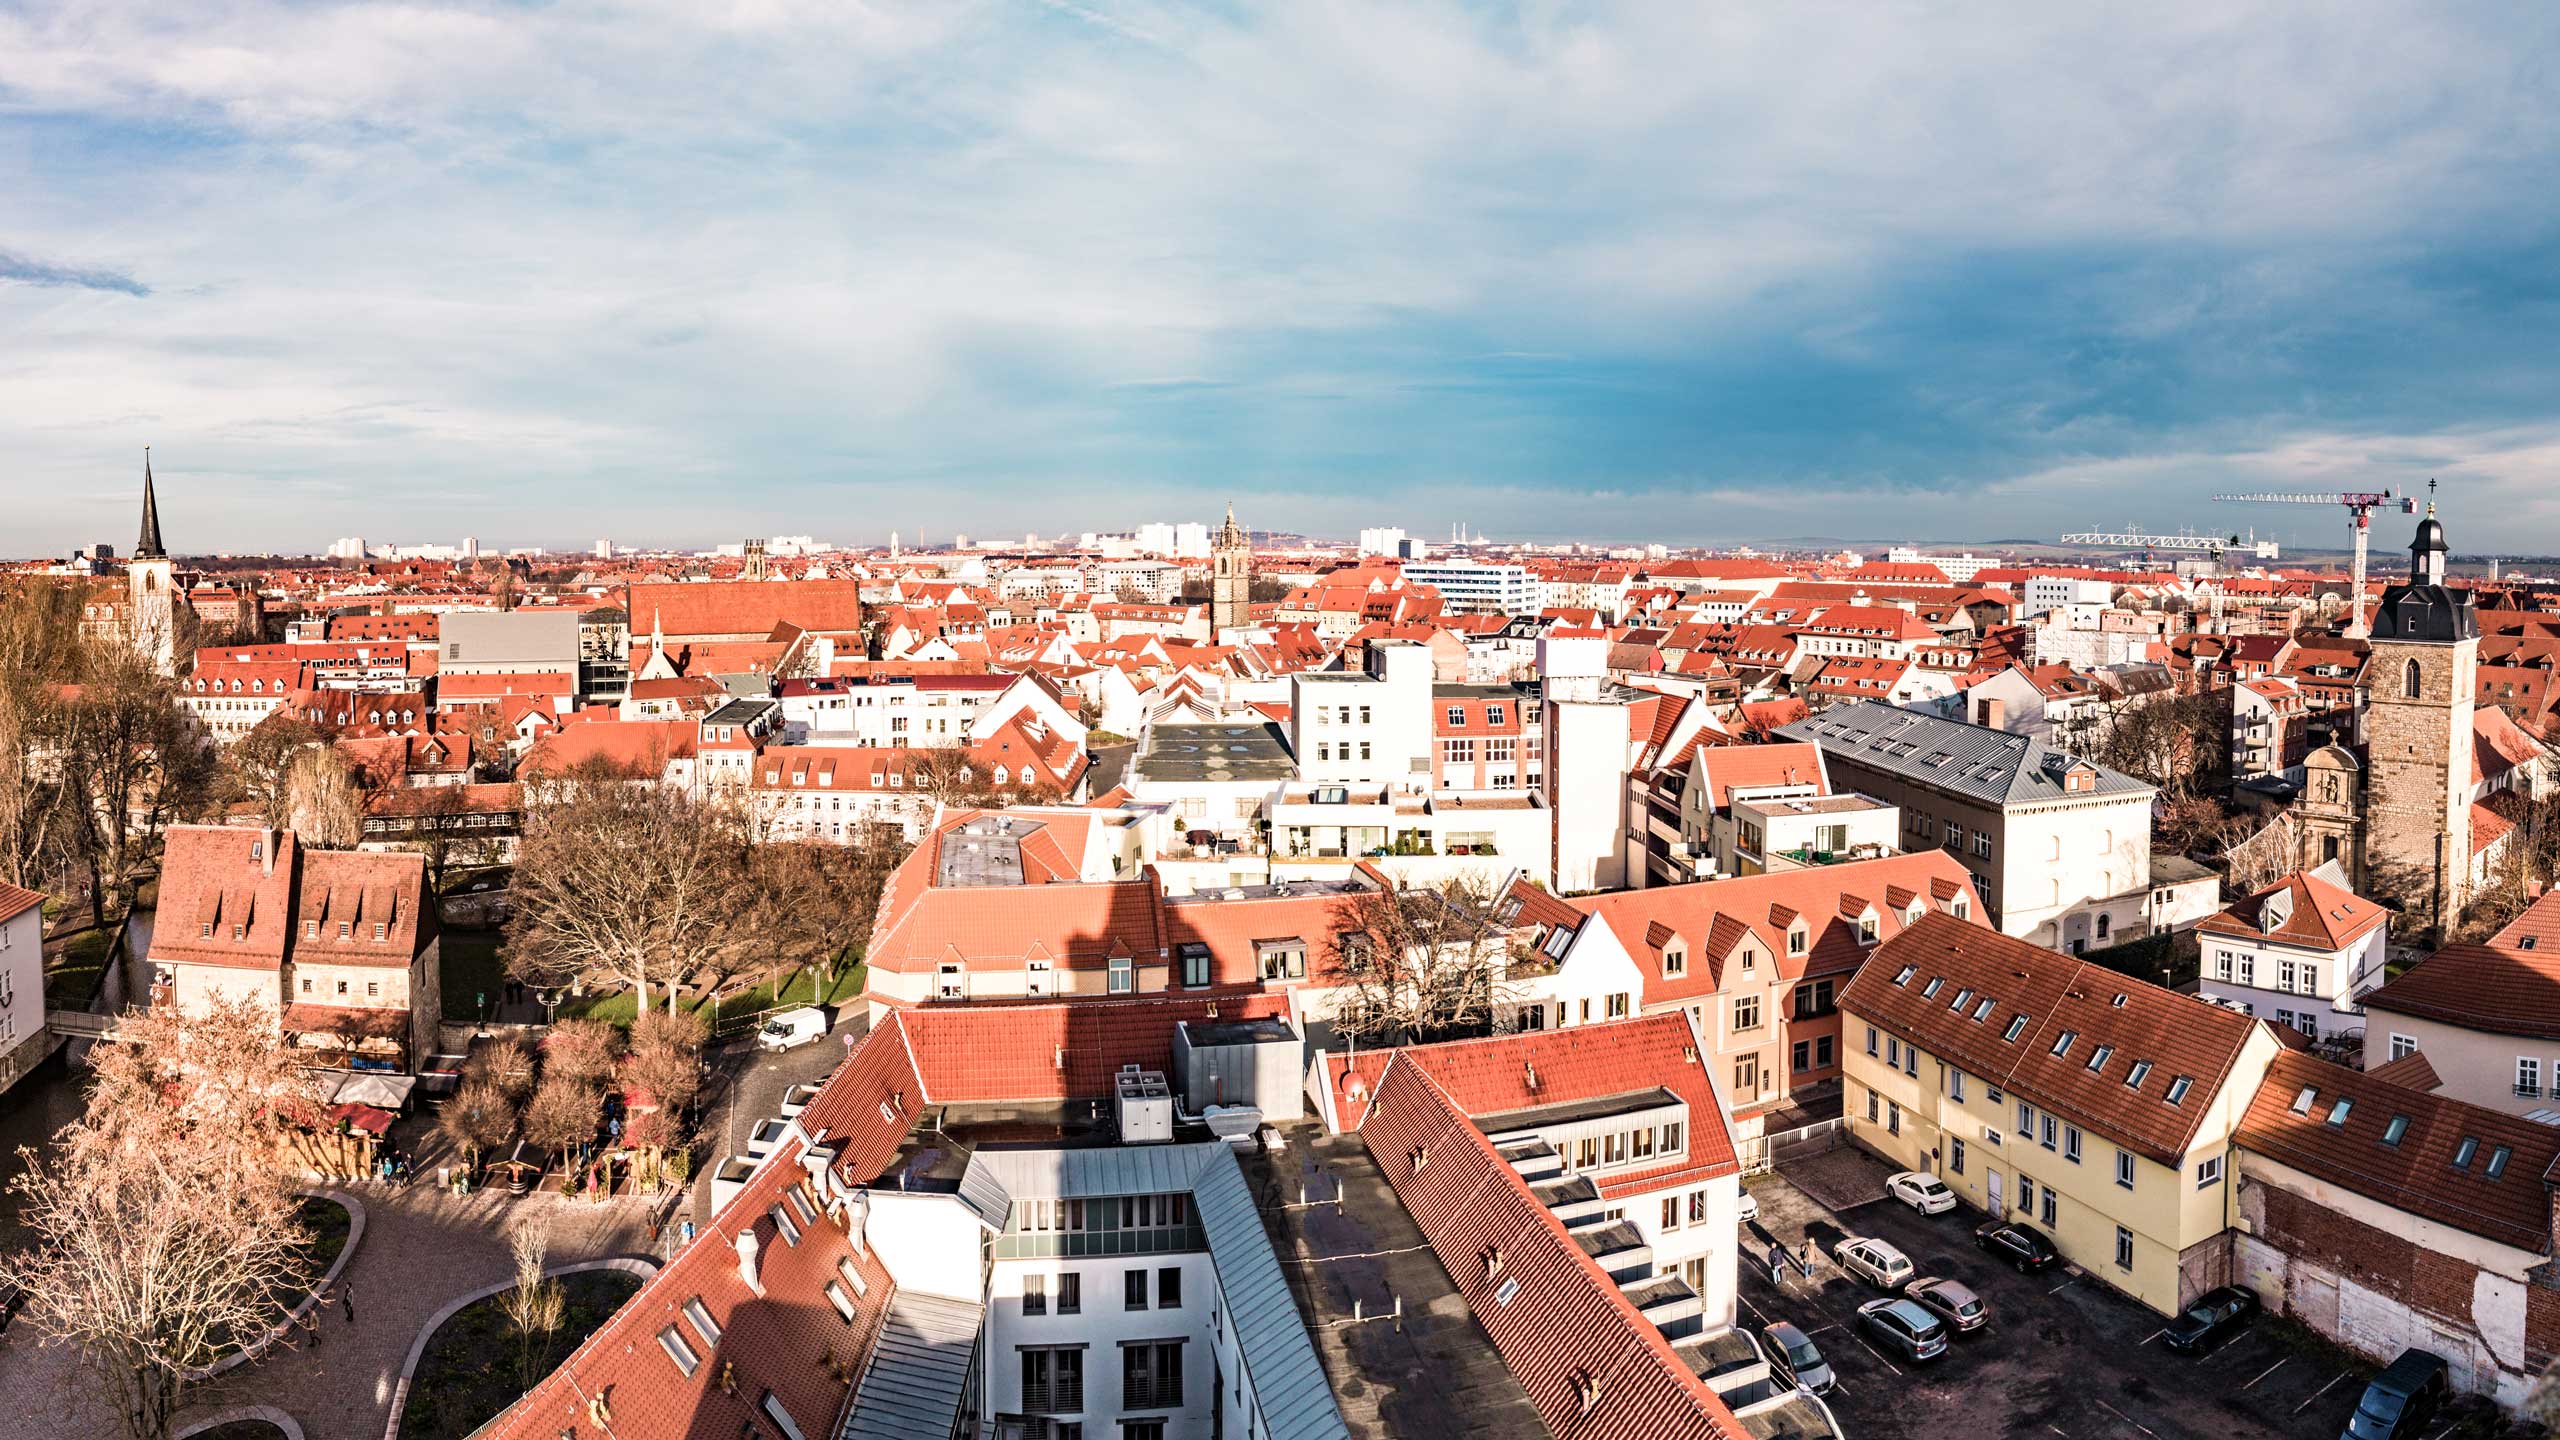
{"x": 550, "y": 998}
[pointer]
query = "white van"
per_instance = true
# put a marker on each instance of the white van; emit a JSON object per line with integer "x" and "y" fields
{"x": 792, "y": 1029}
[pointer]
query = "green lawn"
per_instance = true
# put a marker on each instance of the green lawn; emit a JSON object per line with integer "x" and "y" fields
{"x": 469, "y": 1371}
{"x": 472, "y": 968}
{"x": 71, "y": 974}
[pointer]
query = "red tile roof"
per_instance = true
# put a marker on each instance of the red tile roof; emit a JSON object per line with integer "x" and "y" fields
{"x": 2288, "y": 1121}
{"x": 15, "y": 902}
{"x": 744, "y": 609}
{"x": 2413, "y": 1071}
{"x": 2321, "y": 916}
{"x": 1909, "y": 988}
{"x": 2497, "y": 989}
{"x": 2539, "y": 925}
{"x": 1718, "y": 916}
{"x": 216, "y": 880}
{"x": 1052, "y": 1051}
{"x": 1792, "y": 762}
{"x": 1562, "y": 1326}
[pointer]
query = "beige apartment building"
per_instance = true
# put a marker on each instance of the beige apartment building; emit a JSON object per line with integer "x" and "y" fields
{"x": 2058, "y": 1093}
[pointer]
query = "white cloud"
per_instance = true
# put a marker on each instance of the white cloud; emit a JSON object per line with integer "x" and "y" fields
{"x": 489, "y": 246}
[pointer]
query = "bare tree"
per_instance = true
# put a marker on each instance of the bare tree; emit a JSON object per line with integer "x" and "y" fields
{"x": 582, "y": 1049}
{"x": 628, "y": 885}
{"x": 163, "y": 1232}
{"x": 815, "y": 901}
{"x": 477, "y": 1120}
{"x": 131, "y": 764}
{"x": 257, "y": 767}
{"x": 326, "y": 803}
{"x": 507, "y": 1064}
{"x": 1415, "y": 966}
{"x": 666, "y": 1067}
{"x": 537, "y": 1305}
{"x": 562, "y": 1116}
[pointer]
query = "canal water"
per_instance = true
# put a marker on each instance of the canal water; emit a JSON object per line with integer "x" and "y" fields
{"x": 46, "y": 1099}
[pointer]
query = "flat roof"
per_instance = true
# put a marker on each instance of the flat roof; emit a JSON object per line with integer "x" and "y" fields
{"x": 1809, "y": 804}
{"x": 1432, "y": 1377}
{"x": 1263, "y": 1031}
{"x": 1276, "y": 891}
{"x": 1219, "y": 752}
{"x": 1570, "y": 1112}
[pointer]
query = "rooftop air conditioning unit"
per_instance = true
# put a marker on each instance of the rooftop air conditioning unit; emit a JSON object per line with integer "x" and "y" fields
{"x": 1142, "y": 1105}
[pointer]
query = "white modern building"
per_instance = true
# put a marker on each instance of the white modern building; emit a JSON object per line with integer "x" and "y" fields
{"x": 1469, "y": 588}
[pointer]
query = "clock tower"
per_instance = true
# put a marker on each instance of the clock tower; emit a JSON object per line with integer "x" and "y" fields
{"x": 151, "y": 582}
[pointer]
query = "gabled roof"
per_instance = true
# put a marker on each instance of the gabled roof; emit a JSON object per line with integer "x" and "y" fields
{"x": 1562, "y": 1325}
{"x": 2290, "y": 1121}
{"x": 15, "y": 902}
{"x": 2316, "y": 913}
{"x": 2508, "y": 988}
{"x": 1716, "y": 916}
{"x": 1910, "y": 987}
{"x": 1727, "y": 767}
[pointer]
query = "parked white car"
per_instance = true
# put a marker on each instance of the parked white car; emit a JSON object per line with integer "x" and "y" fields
{"x": 1749, "y": 1209}
{"x": 1925, "y": 1193}
{"x": 1874, "y": 1261}
{"x": 792, "y": 1029}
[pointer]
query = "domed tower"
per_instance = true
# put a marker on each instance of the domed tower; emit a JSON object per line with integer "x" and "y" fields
{"x": 1230, "y": 576}
{"x": 2420, "y": 682}
{"x": 151, "y": 584}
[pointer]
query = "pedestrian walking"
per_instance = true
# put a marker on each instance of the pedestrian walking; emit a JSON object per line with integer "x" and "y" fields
{"x": 347, "y": 1298}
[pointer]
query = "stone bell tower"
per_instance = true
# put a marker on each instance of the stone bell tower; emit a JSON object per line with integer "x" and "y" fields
{"x": 2421, "y": 681}
{"x": 1230, "y": 576}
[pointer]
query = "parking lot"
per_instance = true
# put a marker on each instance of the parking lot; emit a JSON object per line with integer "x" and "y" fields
{"x": 2063, "y": 1355}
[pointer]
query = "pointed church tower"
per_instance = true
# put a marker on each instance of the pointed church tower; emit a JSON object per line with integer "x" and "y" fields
{"x": 1230, "y": 577}
{"x": 151, "y": 583}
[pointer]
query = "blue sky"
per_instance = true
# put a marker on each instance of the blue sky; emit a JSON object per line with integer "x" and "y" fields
{"x": 676, "y": 271}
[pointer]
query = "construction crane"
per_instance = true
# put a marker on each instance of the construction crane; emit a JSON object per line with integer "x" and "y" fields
{"x": 2212, "y": 545}
{"x": 2362, "y": 503}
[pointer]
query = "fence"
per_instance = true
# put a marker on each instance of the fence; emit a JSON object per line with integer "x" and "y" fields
{"x": 1763, "y": 1153}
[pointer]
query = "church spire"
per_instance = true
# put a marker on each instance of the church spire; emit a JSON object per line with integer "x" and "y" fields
{"x": 148, "y": 547}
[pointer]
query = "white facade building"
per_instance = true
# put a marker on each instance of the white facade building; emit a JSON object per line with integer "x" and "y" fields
{"x": 21, "y": 982}
{"x": 1469, "y": 588}
{"x": 2301, "y": 953}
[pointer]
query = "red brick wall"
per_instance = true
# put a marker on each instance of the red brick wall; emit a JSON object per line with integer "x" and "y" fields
{"x": 2422, "y": 1279}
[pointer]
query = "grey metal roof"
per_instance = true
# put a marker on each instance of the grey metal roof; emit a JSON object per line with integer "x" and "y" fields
{"x": 919, "y": 1371}
{"x": 1991, "y": 766}
{"x": 508, "y": 637}
{"x": 1289, "y": 1387}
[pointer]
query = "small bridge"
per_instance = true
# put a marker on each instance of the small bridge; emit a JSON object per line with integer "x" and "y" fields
{"x": 81, "y": 1025}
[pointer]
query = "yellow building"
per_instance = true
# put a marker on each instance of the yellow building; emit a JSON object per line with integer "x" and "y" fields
{"x": 2058, "y": 1093}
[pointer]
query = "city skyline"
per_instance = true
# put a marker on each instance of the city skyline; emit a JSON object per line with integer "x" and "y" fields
{"x": 1657, "y": 274}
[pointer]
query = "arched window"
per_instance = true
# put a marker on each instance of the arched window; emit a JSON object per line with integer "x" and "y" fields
{"x": 2409, "y": 680}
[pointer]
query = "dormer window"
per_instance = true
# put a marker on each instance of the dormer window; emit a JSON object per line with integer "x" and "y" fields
{"x": 1867, "y": 929}
{"x": 1796, "y": 941}
{"x": 1675, "y": 959}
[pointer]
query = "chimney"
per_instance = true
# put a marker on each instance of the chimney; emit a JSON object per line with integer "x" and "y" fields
{"x": 266, "y": 849}
{"x": 747, "y": 1260}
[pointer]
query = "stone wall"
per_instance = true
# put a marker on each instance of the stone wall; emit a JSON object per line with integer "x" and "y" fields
{"x": 2418, "y": 760}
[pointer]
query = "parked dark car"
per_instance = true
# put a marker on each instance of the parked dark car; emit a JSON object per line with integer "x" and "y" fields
{"x": 2021, "y": 1245}
{"x": 2217, "y": 1314}
{"x": 2401, "y": 1400}
{"x": 1952, "y": 1301}
{"x": 1793, "y": 1356}
{"x": 1902, "y": 1325}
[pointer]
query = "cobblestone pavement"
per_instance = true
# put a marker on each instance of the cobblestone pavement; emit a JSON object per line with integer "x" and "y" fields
{"x": 421, "y": 1248}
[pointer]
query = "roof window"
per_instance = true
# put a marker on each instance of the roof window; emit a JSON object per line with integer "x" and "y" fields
{"x": 2338, "y": 1112}
{"x": 2302, "y": 1102}
{"x": 2498, "y": 1161}
{"x": 698, "y": 1315}
{"x": 2098, "y": 1058}
{"x": 2141, "y": 1071}
{"x": 2017, "y": 1027}
{"x": 1962, "y": 996}
{"x": 2062, "y": 1042}
{"x": 2398, "y": 1127}
{"x": 1903, "y": 975}
{"x": 677, "y": 1350}
{"x": 1982, "y": 1008}
{"x": 2463, "y": 1152}
{"x": 1930, "y": 990}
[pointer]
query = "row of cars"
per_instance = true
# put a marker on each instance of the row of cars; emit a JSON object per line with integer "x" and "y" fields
{"x": 1920, "y": 1314}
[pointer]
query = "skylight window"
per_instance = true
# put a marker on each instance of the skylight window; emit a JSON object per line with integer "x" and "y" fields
{"x": 2498, "y": 1161}
{"x": 686, "y": 1361}
{"x": 1982, "y": 1008}
{"x": 2062, "y": 1042}
{"x": 2338, "y": 1112}
{"x": 2178, "y": 1089}
{"x": 1930, "y": 990}
{"x": 1903, "y": 976}
{"x": 1963, "y": 996}
{"x": 2463, "y": 1152}
{"x": 2392, "y": 1133}
{"x": 2141, "y": 1071}
{"x": 2302, "y": 1102}
{"x": 2098, "y": 1057}
{"x": 2017, "y": 1027}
